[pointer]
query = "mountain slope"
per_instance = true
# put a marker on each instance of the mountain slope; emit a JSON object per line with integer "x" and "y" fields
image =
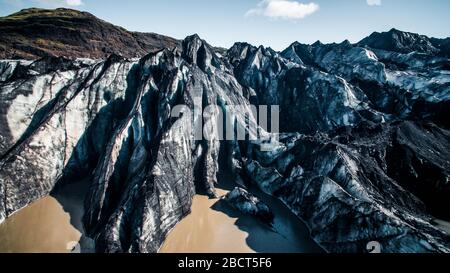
{"x": 33, "y": 33}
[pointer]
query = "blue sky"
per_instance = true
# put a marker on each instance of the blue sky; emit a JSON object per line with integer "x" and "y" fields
{"x": 274, "y": 23}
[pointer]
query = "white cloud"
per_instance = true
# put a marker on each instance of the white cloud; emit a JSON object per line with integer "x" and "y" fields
{"x": 283, "y": 9}
{"x": 374, "y": 2}
{"x": 74, "y": 2}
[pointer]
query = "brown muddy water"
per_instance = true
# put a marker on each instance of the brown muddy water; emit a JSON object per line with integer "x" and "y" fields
{"x": 41, "y": 227}
{"x": 50, "y": 225}
{"x": 53, "y": 224}
{"x": 213, "y": 227}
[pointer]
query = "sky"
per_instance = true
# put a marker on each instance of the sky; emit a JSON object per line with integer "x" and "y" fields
{"x": 274, "y": 23}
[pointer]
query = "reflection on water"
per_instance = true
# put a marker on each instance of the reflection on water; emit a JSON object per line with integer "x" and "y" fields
{"x": 40, "y": 227}
{"x": 213, "y": 227}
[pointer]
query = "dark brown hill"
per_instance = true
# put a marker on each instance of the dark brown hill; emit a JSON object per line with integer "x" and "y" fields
{"x": 34, "y": 33}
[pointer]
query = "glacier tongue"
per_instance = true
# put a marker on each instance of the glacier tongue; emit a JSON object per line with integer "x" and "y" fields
{"x": 362, "y": 154}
